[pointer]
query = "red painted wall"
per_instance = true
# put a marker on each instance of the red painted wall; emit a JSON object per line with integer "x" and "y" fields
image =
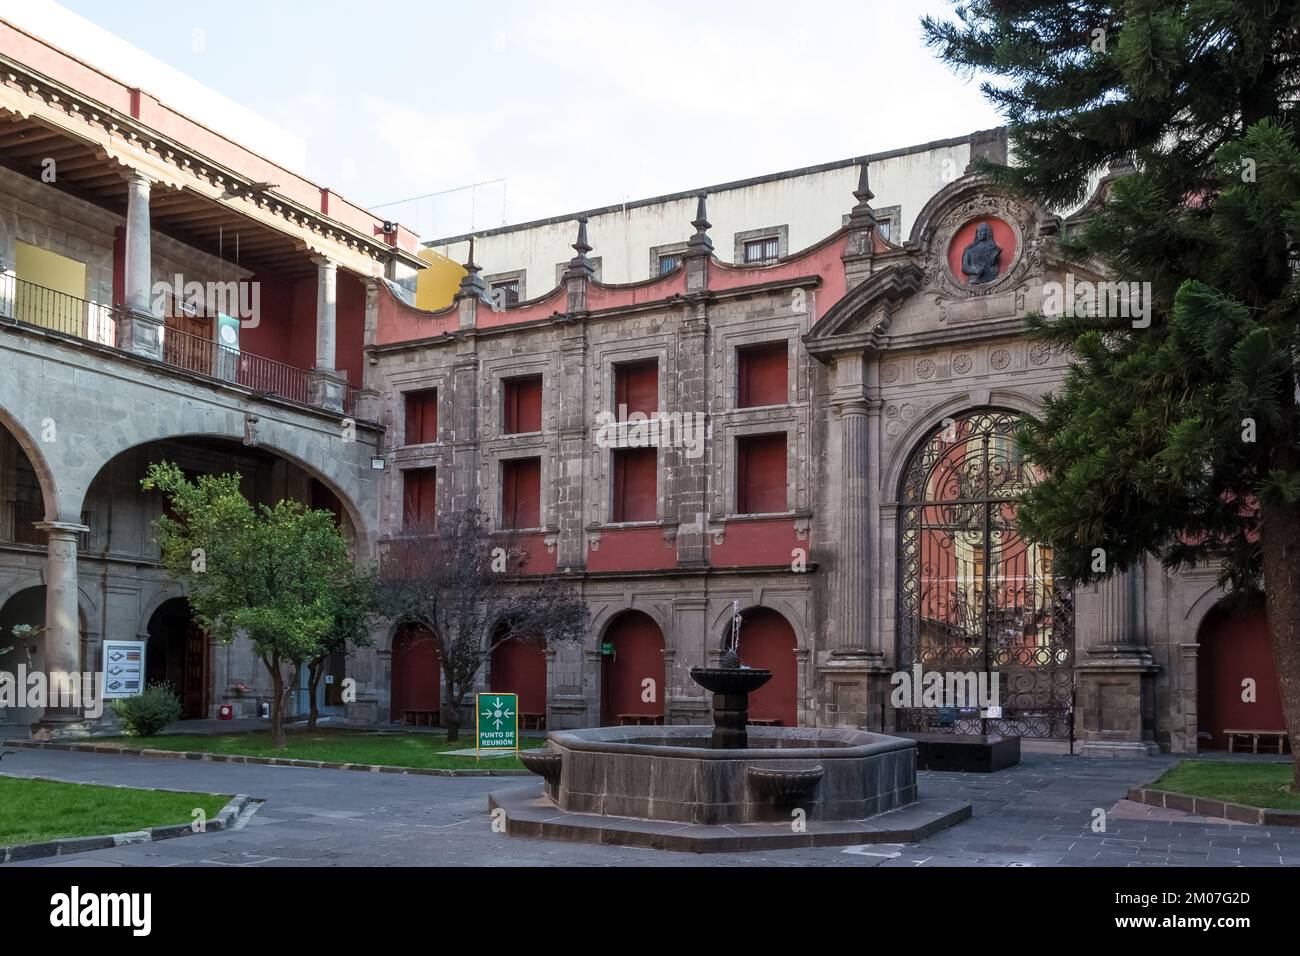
{"x": 632, "y": 549}
{"x": 767, "y": 641}
{"x": 416, "y": 671}
{"x": 769, "y": 541}
{"x": 638, "y": 654}
{"x": 520, "y": 667}
{"x": 1234, "y": 646}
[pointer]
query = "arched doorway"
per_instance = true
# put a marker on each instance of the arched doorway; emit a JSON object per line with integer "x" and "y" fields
{"x": 767, "y": 641}
{"x": 416, "y": 681}
{"x": 632, "y": 671}
{"x": 973, "y": 595}
{"x": 1234, "y": 650}
{"x": 177, "y": 654}
{"x": 26, "y": 607}
{"x": 519, "y": 666}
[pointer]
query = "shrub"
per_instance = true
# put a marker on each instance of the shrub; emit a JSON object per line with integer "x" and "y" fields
{"x": 146, "y": 714}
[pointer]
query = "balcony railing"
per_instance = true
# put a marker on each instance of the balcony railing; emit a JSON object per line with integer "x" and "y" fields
{"x": 31, "y": 304}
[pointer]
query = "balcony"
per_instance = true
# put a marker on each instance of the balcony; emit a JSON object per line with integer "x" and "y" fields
{"x": 21, "y": 525}
{"x": 24, "y": 303}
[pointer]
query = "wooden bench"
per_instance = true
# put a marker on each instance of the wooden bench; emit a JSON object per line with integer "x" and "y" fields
{"x": 1254, "y": 736}
{"x": 639, "y": 719}
{"x": 420, "y": 718}
{"x": 534, "y": 721}
{"x": 763, "y": 722}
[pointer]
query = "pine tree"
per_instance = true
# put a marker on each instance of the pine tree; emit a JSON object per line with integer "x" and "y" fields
{"x": 1181, "y": 438}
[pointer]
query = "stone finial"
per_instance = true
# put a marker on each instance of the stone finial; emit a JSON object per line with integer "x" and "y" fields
{"x": 700, "y": 242}
{"x": 580, "y": 265}
{"x": 863, "y": 216}
{"x": 472, "y": 283}
{"x": 863, "y": 193}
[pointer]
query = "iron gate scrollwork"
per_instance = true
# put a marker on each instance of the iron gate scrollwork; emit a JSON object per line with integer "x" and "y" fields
{"x": 974, "y": 595}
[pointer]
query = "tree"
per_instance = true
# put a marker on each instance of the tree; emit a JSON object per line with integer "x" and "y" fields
{"x": 1179, "y": 439}
{"x": 353, "y": 610}
{"x": 279, "y": 574}
{"x": 465, "y": 586}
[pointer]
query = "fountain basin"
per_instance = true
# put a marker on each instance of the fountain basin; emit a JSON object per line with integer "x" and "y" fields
{"x": 730, "y": 680}
{"x": 673, "y": 774}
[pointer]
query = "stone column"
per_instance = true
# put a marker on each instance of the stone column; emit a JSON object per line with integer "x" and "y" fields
{"x": 1115, "y": 705}
{"x": 325, "y": 386}
{"x": 62, "y": 636}
{"x": 850, "y": 675}
{"x": 138, "y": 329}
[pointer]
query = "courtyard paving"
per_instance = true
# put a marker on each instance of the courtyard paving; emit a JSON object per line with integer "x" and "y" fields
{"x": 1037, "y": 814}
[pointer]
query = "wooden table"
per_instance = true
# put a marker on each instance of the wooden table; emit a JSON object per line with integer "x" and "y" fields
{"x": 534, "y": 721}
{"x": 639, "y": 719}
{"x": 1254, "y": 736}
{"x": 420, "y": 718}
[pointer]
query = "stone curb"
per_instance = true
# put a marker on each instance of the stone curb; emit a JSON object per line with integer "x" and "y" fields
{"x": 66, "y": 845}
{"x": 263, "y": 761}
{"x": 1208, "y": 807}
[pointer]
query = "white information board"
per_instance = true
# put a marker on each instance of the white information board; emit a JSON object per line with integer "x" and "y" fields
{"x": 123, "y": 669}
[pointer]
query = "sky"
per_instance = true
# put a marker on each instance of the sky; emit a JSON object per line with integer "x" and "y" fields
{"x": 553, "y": 107}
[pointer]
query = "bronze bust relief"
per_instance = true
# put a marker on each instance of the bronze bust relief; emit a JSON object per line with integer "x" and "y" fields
{"x": 980, "y": 259}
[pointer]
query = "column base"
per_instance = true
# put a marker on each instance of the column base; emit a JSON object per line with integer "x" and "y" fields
{"x": 854, "y": 690}
{"x": 140, "y": 333}
{"x": 1116, "y": 705}
{"x": 326, "y": 388}
{"x": 61, "y": 727}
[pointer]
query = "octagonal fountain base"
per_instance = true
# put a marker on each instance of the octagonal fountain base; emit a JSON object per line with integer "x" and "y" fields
{"x": 666, "y": 787}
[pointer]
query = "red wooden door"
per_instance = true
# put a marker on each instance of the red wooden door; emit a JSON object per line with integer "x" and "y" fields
{"x": 767, "y": 641}
{"x": 635, "y": 671}
{"x": 1234, "y": 647}
{"x": 416, "y": 672}
{"x": 520, "y": 667}
{"x": 194, "y": 696}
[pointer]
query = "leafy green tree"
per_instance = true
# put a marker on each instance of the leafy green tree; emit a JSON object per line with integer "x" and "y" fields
{"x": 466, "y": 586}
{"x": 1180, "y": 439}
{"x": 353, "y": 613}
{"x": 279, "y": 574}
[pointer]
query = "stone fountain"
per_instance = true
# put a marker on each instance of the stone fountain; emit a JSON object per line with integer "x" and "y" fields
{"x": 726, "y": 787}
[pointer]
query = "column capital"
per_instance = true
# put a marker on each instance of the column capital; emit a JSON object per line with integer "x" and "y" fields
{"x": 135, "y": 177}
{"x": 324, "y": 262}
{"x": 62, "y": 529}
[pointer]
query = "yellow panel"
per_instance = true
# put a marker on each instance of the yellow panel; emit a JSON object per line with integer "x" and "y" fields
{"x": 436, "y": 286}
{"x": 58, "y": 287}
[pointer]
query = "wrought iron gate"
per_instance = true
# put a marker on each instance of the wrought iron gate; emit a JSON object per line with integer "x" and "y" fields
{"x": 973, "y": 594}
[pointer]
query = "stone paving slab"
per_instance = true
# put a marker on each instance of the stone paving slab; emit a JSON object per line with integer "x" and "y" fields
{"x": 1046, "y": 803}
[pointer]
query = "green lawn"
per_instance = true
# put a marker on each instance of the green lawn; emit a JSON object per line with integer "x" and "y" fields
{"x": 394, "y": 749}
{"x": 32, "y": 811}
{"x": 1255, "y": 784}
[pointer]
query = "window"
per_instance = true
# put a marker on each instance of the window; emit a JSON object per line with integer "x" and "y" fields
{"x": 421, "y": 417}
{"x": 762, "y": 375}
{"x": 636, "y": 387}
{"x": 419, "y": 497}
{"x": 521, "y": 493}
{"x": 522, "y": 405}
{"x": 635, "y": 484}
{"x": 766, "y": 249}
{"x": 760, "y": 474}
{"x": 505, "y": 293}
{"x": 669, "y": 262}
{"x": 885, "y": 227}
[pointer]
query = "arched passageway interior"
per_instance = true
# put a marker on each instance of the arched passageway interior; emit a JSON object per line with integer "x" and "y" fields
{"x": 632, "y": 671}
{"x": 416, "y": 676}
{"x": 177, "y": 654}
{"x": 26, "y": 607}
{"x": 1234, "y": 665}
{"x": 767, "y": 641}
{"x": 22, "y": 501}
{"x": 519, "y": 666}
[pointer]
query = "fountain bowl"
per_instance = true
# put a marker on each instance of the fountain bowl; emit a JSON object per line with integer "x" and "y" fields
{"x": 730, "y": 681}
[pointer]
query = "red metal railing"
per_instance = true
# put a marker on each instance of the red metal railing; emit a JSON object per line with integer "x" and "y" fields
{"x": 206, "y": 357}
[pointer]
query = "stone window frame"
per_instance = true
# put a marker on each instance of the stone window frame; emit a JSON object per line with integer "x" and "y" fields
{"x": 733, "y": 342}
{"x": 667, "y": 249}
{"x": 517, "y": 275}
{"x": 780, "y": 233}
{"x": 606, "y": 356}
{"x": 891, "y": 214}
{"x": 738, "y": 430}
{"x": 399, "y": 411}
{"x": 497, "y": 370}
{"x": 597, "y": 267}
{"x": 537, "y": 447}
